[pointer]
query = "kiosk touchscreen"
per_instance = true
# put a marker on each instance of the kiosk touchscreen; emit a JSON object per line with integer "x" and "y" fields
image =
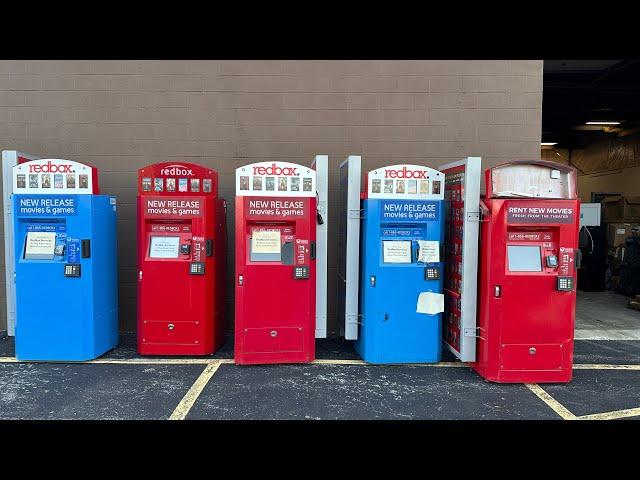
{"x": 397, "y": 310}
{"x": 65, "y": 262}
{"x": 276, "y": 253}
{"x": 181, "y": 260}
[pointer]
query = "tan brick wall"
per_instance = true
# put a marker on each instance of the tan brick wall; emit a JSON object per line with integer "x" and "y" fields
{"x": 122, "y": 115}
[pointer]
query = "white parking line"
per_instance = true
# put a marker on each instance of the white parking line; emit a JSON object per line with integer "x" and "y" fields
{"x": 338, "y": 362}
{"x": 206, "y": 361}
{"x": 604, "y": 366}
{"x": 194, "y": 392}
{"x": 629, "y": 412}
{"x": 161, "y": 361}
{"x": 551, "y": 402}
{"x": 362, "y": 362}
{"x": 608, "y": 334}
{"x": 133, "y": 361}
{"x": 212, "y": 365}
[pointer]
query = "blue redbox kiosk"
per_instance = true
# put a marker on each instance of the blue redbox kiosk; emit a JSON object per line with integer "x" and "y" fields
{"x": 395, "y": 316}
{"x": 66, "y": 262}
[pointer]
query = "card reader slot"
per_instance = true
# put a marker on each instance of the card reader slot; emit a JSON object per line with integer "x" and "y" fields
{"x": 286, "y": 254}
{"x": 86, "y": 248}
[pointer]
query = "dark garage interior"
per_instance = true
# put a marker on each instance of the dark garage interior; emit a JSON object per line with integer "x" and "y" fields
{"x": 591, "y": 121}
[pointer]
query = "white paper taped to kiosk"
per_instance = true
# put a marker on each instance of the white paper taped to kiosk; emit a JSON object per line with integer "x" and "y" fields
{"x": 430, "y": 303}
{"x": 396, "y": 251}
{"x": 40, "y": 245}
{"x": 265, "y": 241}
{"x": 429, "y": 251}
{"x": 164, "y": 247}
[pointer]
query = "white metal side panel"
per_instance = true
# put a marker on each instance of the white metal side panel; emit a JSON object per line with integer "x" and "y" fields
{"x": 462, "y": 200}
{"x": 9, "y": 160}
{"x": 349, "y": 245}
{"x": 321, "y": 166}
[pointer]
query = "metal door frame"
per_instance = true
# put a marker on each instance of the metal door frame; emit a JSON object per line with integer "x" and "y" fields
{"x": 353, "y": 163}
{"x": 321, "y": 166}
{"x": 471, "y": 229}
{"x": 10, "y": 160}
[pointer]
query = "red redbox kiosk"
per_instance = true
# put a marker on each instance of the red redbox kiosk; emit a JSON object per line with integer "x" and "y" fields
{"x": 181, "y": 260}
{"x": 527, "y": 273}
{"x": 275, "y": 263}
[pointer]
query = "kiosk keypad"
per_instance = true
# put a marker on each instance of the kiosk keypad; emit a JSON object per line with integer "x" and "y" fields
{"x": 431, "y": 273}
{"x": 300, "y": 273}
{"x": 196, "y": 268}
{"x": 565, "y": 284}
{"x": 72, "y": 270}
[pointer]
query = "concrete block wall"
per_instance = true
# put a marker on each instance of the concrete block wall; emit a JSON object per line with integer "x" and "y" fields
{"x": 122, "y": 115}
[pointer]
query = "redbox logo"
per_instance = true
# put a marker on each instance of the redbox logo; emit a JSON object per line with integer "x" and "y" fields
{"x": 50, "y": 168}
{"x": 275, "y": 170}
{"x": 177, "y": 170}
{"x": 405, "y": 173}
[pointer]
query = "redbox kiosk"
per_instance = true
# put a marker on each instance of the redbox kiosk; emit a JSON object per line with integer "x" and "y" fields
{"x": 181, "y": 260}
{"x": 394, "y": 235}
{"x": 65, "y": 251}
{"x": 276, "y": 255}
{"x": 527, "y": 274}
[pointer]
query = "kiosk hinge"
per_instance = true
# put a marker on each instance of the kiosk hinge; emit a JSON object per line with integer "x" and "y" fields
{"x": 474, "y": 216}
{"x": 471, "y": 332}
{"x": 353, "y": 319}
{"x": 355, "y": 214}
{"x": 321, "y": 212}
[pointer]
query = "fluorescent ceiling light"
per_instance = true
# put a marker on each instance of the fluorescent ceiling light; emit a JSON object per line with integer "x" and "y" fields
{"x": 548, "y": 144}
{"x": 602, "y": 123}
